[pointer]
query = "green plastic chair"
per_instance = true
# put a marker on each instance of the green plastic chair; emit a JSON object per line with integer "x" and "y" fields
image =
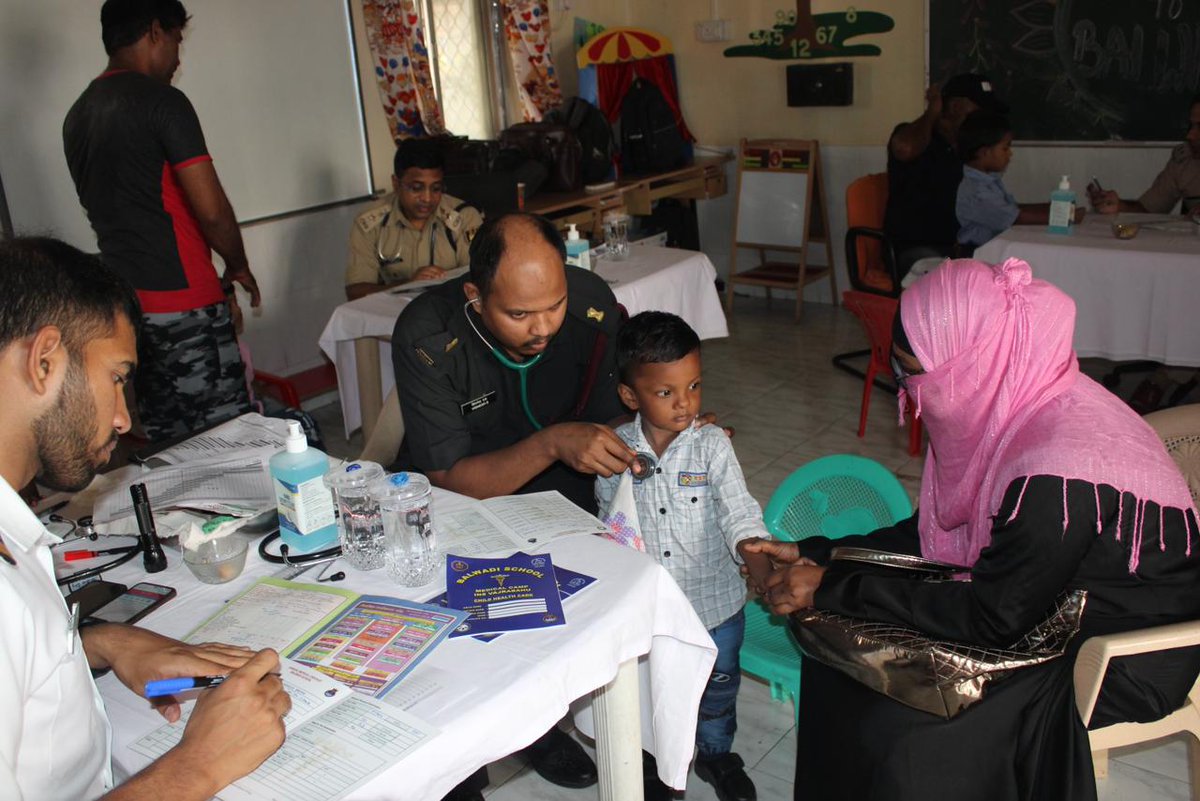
{"x": 833, "y": 496}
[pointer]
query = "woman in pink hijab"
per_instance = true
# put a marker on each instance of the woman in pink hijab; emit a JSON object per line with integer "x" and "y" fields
{"x": 1039, "y": 480}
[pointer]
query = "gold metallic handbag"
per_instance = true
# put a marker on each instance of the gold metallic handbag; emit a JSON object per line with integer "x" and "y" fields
{"x": 936, "y": 676}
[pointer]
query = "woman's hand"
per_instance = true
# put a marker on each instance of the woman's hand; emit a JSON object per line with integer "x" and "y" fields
{"x": 791, "y": 588}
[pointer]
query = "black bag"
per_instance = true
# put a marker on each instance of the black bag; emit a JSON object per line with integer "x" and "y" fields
{"x": 553, "y": 145}
{"x": 650, "y": 139}
{"x": 468, "y": 156}
{"x": 595, "y": 136}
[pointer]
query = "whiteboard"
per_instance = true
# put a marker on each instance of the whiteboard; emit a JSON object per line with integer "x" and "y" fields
{"x": 772, "y": 208}
{"x": 274, "y": 82}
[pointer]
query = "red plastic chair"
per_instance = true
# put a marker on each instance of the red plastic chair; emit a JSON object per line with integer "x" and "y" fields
{"x": 876, "y": 314}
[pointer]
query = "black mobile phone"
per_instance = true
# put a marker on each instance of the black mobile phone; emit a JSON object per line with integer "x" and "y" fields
{"x": 135, "y": 603}
{"x": 94, "y": 595}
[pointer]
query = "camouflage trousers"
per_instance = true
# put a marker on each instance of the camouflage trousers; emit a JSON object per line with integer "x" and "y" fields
{"x": 190, "y": 374}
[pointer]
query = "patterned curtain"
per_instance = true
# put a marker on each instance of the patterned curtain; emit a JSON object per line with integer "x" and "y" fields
{"x": 527, "y": 32}
{"x": 402, "y": 68}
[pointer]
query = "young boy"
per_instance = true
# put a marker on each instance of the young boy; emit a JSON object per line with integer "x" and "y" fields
{"x": 985, "y": 208}
{"x": 695, "y": 513}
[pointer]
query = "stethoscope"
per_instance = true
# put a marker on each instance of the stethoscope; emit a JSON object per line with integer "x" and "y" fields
{"x": 379, "y": 241}
{"x": 305, "y": 560}
{"x": 72, "y": 532}
{"x": 522, "y": 368}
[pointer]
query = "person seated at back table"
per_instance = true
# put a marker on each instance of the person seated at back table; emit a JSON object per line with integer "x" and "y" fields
{"x": 1179, "y": 181}
{"x": 924, "y": 170}
{"x": 984, "y": 207}
{"x": 695, "y": 512}
{"x": 416, "y": 232}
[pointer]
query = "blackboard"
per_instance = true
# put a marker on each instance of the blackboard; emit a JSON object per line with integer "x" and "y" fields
{"x": 1077, "y": 70}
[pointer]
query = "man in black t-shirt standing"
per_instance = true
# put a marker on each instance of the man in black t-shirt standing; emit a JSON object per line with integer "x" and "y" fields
{"x": 143, "y": 173}
{"x": 924, "y": 170}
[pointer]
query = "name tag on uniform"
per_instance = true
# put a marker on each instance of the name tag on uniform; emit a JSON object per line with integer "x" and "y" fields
{"x": 693, "y": 479}
{"x": 476, "y": 404}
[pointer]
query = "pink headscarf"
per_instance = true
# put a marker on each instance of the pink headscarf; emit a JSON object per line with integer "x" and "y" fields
{"x": 1002, "y": 398}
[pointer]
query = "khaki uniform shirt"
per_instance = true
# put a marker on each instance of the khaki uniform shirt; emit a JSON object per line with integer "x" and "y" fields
{"x": 383, "y": 230}
{"x": 1178, "y": 180}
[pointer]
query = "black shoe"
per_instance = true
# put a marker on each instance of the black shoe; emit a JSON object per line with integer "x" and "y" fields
{"x": 560, "y": 760}
{"x": 728, "y": 777}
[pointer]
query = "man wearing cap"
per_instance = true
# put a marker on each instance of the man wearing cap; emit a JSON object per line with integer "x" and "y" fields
{"x": 1178, "y": 182}
{"x": 924, "y": 170}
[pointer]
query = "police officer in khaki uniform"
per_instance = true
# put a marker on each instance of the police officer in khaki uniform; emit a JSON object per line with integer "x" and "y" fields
{"x": 507, "y": 380}
{"x": 1179, "y": 181}
{"x": 415, "y": 233}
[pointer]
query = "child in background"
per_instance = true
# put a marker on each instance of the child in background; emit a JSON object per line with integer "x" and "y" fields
{"x": 985, "y": 208}
{"x": 695, "y": 513}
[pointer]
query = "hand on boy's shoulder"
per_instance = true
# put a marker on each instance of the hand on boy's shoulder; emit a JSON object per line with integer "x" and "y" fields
{"x": 710, "y": 419}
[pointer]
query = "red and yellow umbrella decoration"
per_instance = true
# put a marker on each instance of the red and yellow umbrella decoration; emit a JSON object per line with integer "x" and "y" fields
{"x": 615, "y": 45}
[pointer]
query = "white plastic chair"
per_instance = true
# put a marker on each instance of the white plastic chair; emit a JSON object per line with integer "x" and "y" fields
{"x": 1180, "y": 431}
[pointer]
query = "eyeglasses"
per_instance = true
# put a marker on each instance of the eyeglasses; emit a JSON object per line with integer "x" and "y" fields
{"x": 900, "y": 373}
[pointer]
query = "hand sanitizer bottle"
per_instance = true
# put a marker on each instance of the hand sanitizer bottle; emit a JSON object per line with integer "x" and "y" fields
{"x": 306, "y": 521}
{"x": 1062, "y": 207}
{"x": 577, "y": 249}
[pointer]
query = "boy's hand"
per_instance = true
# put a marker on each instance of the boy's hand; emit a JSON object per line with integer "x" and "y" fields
{"x": 755, "y": 567}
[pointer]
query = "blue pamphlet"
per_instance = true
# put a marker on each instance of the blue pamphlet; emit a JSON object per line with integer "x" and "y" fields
{"x": 569, "y": 583}
{"x": 513, "y": 593}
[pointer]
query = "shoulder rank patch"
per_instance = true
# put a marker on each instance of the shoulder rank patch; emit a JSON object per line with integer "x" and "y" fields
{"x": 371, "y": 218}
{"x": 693, "y": 479}
{"x": 595, "y": 314}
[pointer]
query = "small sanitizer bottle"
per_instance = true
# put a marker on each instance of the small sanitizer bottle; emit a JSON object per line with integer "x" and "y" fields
{"x": 578, "y": 249}
{"x": 306, "y": 520}
{"x": 1062, "y": 207}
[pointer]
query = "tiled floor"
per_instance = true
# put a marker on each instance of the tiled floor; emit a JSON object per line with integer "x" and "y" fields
{"x": 772, "y": 380}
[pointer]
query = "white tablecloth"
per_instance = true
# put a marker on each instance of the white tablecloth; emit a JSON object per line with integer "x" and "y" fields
{"x": 499, "y": 696}
{"x": 1135, "y": 299}
{"x": 663, "y": 279}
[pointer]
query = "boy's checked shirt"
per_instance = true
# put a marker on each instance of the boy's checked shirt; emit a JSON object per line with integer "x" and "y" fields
{"x": 694, "y": 509}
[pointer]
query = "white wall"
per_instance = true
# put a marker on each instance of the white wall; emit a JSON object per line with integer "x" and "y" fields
{"x": 300, "y": 263}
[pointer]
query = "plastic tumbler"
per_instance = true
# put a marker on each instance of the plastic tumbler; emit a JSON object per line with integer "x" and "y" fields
{"x": 360, "y": 526}
{"x": 405, "y": 503}
{"x": 616, "y": 236}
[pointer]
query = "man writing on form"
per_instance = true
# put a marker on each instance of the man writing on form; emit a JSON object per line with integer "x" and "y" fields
{"x": 67, "y": 348}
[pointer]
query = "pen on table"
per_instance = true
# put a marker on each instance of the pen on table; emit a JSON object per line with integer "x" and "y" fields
{"x": 161, "y": 687}
{"x": 75, "y": 556}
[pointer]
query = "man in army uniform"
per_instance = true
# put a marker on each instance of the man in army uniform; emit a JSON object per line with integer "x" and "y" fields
{"x": 415, "y": 233}
{"x": 507, "y": 380}
{"x": 1178, "y": 182}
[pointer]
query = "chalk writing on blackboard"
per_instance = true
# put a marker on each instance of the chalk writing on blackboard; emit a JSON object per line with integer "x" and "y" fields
{"x": 1077, "y": 69}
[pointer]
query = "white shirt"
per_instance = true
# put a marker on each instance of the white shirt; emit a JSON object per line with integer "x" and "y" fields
{"x": 54, "y": 736}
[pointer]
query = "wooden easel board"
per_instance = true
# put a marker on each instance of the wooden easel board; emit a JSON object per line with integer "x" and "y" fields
{"x": 779, "y": 195}
{"x": 781, "y": 208}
